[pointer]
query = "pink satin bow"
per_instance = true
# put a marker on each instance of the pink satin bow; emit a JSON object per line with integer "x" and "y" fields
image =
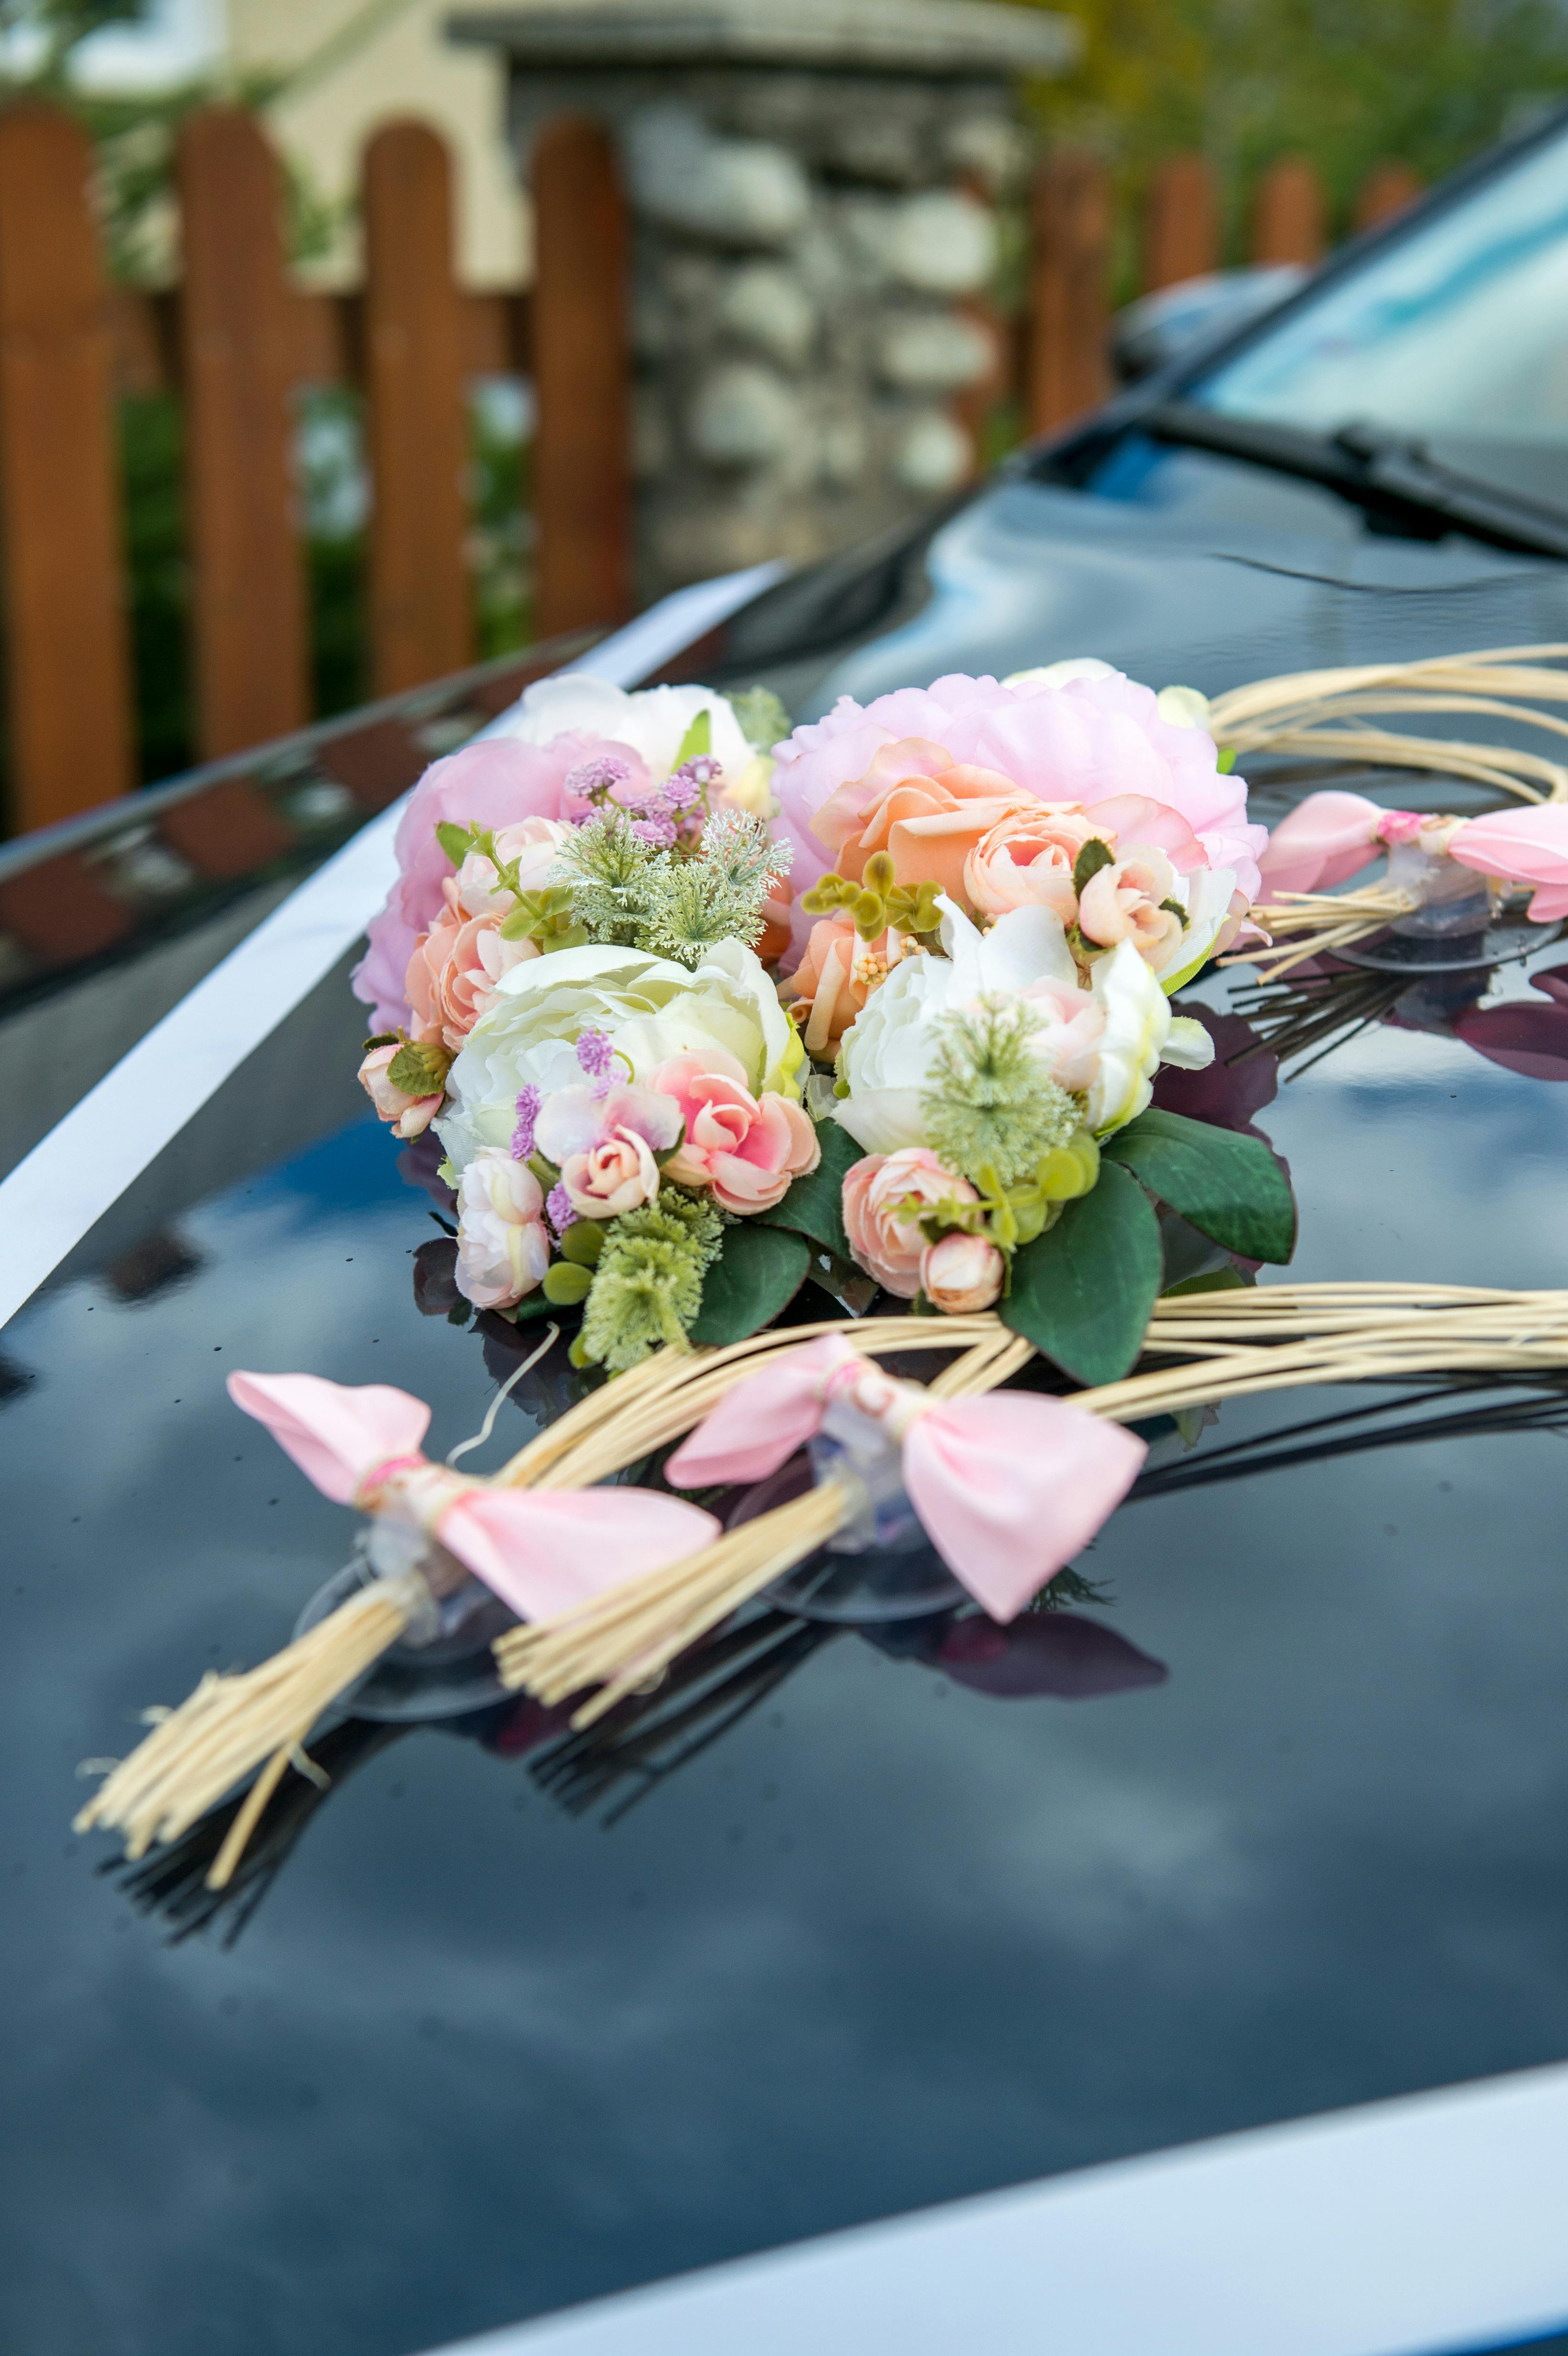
{"x": 540, "y": 1551}
{"x": 1008, "y": 1488}
{"x": 1330, "y": 837}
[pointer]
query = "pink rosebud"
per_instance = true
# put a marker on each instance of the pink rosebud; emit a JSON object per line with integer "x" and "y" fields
{"x": 618, "y": 1175}
{"x": 503, "y": 1248}
{"x": 961, "y": 1274}
{"x": 747, "y": 1149}
{"x": 1124, "y": 902}
{"x": 886, "y": 1241}
{"x": 532, "y": 843}
{"x": 410, "y": 1116}
{"x": 1027, "y": 861}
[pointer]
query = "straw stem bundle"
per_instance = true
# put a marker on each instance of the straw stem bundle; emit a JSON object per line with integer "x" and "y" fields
{"x": 1235, "y": 1344}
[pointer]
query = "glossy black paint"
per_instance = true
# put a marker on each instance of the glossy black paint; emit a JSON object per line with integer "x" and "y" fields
{"x": 890, "y": 1937}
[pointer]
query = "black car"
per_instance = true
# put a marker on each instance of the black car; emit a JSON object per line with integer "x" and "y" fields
{"x": 843, "y": 1922}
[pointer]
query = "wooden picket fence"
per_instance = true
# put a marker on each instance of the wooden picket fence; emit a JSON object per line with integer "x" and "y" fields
{"x": 235, "y": 340}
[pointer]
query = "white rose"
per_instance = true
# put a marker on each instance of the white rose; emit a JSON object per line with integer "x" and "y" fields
{"x": 887, "y": 1050}
{"x": 503, "y": 1250}
{"x": 1183, "y": 707}
{"x": 1062, "y": 674}
{"x": 652, "y": 721}
{"x": 649, "y": 1008}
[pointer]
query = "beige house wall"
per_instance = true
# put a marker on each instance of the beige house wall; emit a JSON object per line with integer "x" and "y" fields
{"x": 357, "y": 65}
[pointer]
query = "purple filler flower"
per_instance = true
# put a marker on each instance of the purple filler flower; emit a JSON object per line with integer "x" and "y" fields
{"x": 596, "y": 778}
{"x": 528, "y": 1101}
{"x": 597, "y": 1056}
{"x": 558, "y": 1210}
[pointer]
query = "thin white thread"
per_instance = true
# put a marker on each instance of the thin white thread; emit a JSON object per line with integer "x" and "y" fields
{"x": 552, "y": 1335}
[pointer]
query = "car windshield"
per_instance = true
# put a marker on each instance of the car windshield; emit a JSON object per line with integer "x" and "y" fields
{"x": 1456, "y": 334}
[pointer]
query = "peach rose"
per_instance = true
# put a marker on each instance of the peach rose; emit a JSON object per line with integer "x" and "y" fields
{"x": 456, "y": 966}
{"x": 1123, "y": 902}
{"x": 410, "y": 1116}
{"x": 503, "y": 1249}
{"x": 1027, "y": 861}
{"x": 746, "y": 1148}
{"x": 962, "y": 1273}
{"x": 776, "y": 934}
{"x": 888, "y": 1245}
{"x": 619, "y": 1174}
{"x": 532, "y": 842}
{"x": 833, "y": 980}
{"x": 920, "y": 806}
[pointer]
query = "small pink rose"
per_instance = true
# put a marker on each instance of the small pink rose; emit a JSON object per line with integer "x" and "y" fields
{"x": 1027, "y": 861}
{"x": 1124, "y": 902}
{"x": 532, "y": 843}
{"x": 503, "y": 1248}
{"x": 618, "y": 1175}
{"x": 961, "y": 1274}
{"x": 410, "y": 1116}
{"x": 888, "y": 1244}
{"x": 747, "y": 1149}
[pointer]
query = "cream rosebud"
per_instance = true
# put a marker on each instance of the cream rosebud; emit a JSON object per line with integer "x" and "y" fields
{"x": 503, "y": 1249}
{"x": 961, "y": 1274}
{"x": 408, "y": 1116}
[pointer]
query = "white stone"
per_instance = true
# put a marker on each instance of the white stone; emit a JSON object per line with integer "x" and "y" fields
{"x": 733, "y": 191}
{"x": 933, "y": 455}
{"x": 936, "y": 352}
{"x": 767, "y": 308}
{"x": 942, "y": 242}
{"x": 994, "y": 149}
{"x": 745, "y": 415}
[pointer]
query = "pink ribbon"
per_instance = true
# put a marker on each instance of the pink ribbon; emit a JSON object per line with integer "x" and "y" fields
{"x": 1330, "y": 837}
{"x": 1008, "y": 1488}
{"x": 540, "y": 1551}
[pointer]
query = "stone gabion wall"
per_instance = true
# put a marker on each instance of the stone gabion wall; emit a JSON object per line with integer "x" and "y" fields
{"x": 808, "y": 249}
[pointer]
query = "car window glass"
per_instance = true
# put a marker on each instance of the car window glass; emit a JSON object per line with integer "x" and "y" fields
{"x": 1458, "y": 333}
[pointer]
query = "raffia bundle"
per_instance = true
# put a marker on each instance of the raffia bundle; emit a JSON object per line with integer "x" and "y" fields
{"x": 1323, "y": 715}
{"x": 1233, "y": 1342}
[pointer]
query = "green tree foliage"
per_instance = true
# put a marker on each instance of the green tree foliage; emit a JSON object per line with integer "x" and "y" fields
{"x": 1347, "y": 84}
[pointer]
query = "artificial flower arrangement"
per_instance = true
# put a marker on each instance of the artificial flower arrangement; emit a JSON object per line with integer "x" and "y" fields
{"x": 697, "y": 1007}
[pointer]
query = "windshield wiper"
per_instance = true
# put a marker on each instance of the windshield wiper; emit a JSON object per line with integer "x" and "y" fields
{"x": 1389, "y": 475}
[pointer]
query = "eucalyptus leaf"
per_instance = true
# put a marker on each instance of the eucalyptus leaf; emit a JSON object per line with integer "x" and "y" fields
{"x": 813, "y": 1205}
{"x": 1230, "y": 1187}
{"x": 1083, "y": 1292}
{"x": 755, "y": 1277}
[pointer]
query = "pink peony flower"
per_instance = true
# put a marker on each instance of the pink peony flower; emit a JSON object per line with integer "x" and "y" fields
{"x": 1088, "y": 743}
{"x": 453, "y": 971}
{"x": 746, "y": 1148}
{"x": 499, "y": 783}
{"x": 961, "y": 1274}
{"x": 605, "y": 1143}
{"x": 1124, "y": 903}
{"x": 408, "y": 1116}
{"x": 888, "y": 1245}
{"x": 503, "y": 1247}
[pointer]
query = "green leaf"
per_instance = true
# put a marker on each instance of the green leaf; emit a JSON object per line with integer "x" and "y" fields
{"x": 1230, "y": 1279}
{"x": 566, "y": 1282}
{"x": 814, "y": 1205}
{"x": 1227, "y": 760}
{"x": 1230, "y": 1187}
{"x": 698, "y": 738}
{"x": 756, "y": 1276}
{"x": 1083, "y": 1292}
{"x": 1095, "y": 854}
{"x": 420, "y": 1071}
{"x": 454, "y": 840}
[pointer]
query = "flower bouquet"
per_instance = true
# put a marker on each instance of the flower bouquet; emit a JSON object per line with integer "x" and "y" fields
{"x": 705, "y": 1015}
{"x": 700, "y": 1009}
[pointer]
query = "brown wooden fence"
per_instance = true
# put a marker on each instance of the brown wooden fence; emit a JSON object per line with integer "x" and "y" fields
{"x": 237, "y": 339}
